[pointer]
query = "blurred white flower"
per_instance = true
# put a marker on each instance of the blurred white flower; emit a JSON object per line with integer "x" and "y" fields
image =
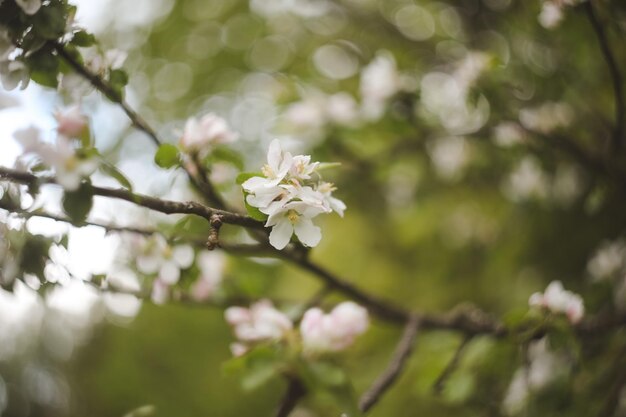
{"x": 507, "y": 134}
{"x": 333, "y": 331}
{"x": 543, "y": 367}
{"x": 69, "y": 167}
{"x": 526, "y": 180}
{"x": 547, "y": 117}
{"x": 201, "y": 135}
{"x": 551, "y": 14}
{"x": 379, "y": 82}
{"x": 211, "y": 265}
{"x": 261, "y": 322}
{"x": 558, "y": 300}
{"x": 608, "y": 261}
{"x": 156, "y": 256}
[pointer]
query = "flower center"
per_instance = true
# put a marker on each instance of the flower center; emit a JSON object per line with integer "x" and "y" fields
{"x": 293, "y": 216}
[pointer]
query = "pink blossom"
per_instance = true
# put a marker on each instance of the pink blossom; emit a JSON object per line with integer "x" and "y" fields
{"x": 334, "y": 331}
{"x": 261, "y": 322}
{"x": 72, "y": 122}
{"x": 558, "y": 300}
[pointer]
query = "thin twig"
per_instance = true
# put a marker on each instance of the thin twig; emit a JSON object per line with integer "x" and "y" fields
{"x": 395, "y": 367}
{"x": 616, "y": 77}
{"x": 451, "y": 367}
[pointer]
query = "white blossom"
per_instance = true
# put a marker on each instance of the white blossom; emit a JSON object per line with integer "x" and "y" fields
{"x": 261, "y": 322}
{"x": 291, "y": 194}
{"x": 558, "y": 300}
{"x": 158, "y": 257}
{"x": 608, "y": 260}
{"x": 211, "y": 265}
{"x": 70, "y": 168}
{"x": 201, "y": 134}
{"x": 294, "y": 217}
{"x": 379, "y": 82}
{"x": 333, "y": 331}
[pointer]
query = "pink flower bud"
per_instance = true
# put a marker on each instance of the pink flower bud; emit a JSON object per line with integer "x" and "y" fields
{"x": 72, "y": 122}
{"x": 334, "y": 331}
{"x": 261, "y": 322}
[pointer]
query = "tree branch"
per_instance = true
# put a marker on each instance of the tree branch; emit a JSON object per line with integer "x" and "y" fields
{"x": 616, "y": 77}
{"x": 395, "y": 367}
{"x": 295, "y": 392}
{"x": 156, "y": 204}
{"x": 108, "y": 91}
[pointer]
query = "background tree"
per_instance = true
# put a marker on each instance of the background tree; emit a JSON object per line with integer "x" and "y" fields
{"x": 481, "y": 160}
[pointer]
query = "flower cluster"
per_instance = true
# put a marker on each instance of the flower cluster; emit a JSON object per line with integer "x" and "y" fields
{"x": 70, "y": 164}
{"x": 291, "y": 194}
{"x": 319, "y": 332}
{"x": 558, "y": 300}
{"x": 200, "y": 135}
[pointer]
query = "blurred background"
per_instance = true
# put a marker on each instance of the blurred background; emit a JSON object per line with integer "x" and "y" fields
{"x": 453, "y": 122}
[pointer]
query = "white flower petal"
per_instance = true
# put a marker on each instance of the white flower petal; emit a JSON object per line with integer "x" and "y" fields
{"x": 183, "y": 255}
{"x": 148, "y": 264}
{"x": 281, "y": 234}
{"x": 309, "y": 234}
{"x": 169, "y": 273}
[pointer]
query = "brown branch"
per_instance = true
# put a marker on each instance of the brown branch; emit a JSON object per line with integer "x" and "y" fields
{"x": 295, "y": 392}
{"x": 395, "y": 367}
{"x": 616, "y": 77}
{"x": 156, "y": 204}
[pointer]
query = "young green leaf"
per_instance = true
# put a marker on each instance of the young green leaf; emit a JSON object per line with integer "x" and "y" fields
{"x": 167, "y": 156}
{"x": 77, "y": 204}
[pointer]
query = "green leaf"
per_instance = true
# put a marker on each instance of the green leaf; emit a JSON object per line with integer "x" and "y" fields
{"x": 327, "y": 165}
{"x": 118, "y": 79}
{"x": 49, "y": 21}
{"x": 44, "y": 67}
{"x": 254, "y": 212}
{"x": 225, "y": 154}
{"x": 77, "y": 204}
{"x": 35, "y": 255}
{"x": 112, "y": 171}
{"x": 327, "y": 374}
{"x": 167, "y": 156}
{"x": 83, "y": 38}
{"x": 244, "y": 176}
